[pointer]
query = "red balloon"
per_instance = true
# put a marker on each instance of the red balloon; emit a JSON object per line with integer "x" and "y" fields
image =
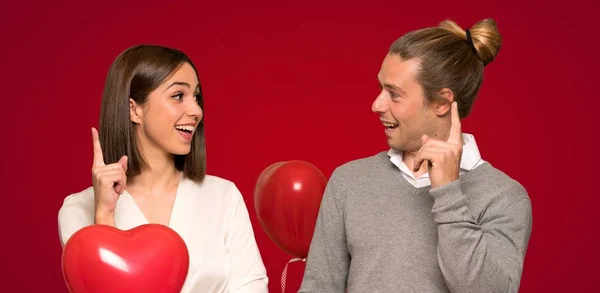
{"x": 150, "y": 258}
{"x": 287, "y": 198}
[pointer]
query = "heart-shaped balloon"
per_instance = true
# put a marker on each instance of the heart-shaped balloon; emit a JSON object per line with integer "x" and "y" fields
{"x": 150, "y": 258}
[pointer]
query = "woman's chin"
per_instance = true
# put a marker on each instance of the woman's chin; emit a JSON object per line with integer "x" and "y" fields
{"x": 181, "y": 151}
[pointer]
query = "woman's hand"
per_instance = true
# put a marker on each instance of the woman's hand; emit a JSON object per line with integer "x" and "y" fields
{"x": 109, "y": 183}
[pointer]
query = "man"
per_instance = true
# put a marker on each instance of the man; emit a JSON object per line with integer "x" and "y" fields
{"x": 429, "y": 215}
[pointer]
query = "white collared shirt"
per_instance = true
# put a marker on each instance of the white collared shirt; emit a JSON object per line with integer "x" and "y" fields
{"x": 471, "y": 159}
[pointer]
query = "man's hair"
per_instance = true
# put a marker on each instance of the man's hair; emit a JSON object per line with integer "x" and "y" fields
{"x": 452, "y": 58}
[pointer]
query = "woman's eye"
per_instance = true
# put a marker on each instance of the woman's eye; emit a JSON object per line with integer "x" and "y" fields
{"x": 178, "y": 96}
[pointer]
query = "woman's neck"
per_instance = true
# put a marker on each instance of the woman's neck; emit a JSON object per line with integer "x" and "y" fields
{"x": 159, "y": 176}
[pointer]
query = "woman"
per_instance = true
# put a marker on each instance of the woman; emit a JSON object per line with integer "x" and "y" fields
{"x": 149, "y": 167}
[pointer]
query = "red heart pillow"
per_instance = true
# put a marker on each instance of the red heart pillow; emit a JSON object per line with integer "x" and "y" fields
{"x": 150, "y": 258}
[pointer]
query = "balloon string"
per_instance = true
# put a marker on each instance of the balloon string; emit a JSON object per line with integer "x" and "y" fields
{"x": 284, "y": 274}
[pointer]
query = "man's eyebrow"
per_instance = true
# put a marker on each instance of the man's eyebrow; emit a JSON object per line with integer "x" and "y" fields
{"x": 393, "y": 87}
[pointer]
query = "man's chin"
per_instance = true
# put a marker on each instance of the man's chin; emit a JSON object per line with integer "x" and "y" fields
{"x": 395, "y": 145}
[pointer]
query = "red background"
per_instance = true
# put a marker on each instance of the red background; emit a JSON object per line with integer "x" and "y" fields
{"x": 295, "y": 80}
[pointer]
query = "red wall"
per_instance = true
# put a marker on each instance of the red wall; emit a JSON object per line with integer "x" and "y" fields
{"x": 295, "y": 81}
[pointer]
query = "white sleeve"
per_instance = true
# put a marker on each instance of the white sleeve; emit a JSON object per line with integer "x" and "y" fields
{"x": 72, "y": 216}
{"x": 248, "y": 273}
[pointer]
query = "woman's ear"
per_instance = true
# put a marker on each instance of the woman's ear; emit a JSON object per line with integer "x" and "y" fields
{"x": 135, "y": 112}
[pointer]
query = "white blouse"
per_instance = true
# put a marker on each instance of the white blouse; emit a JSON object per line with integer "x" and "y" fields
{"x": 213, "y": 221}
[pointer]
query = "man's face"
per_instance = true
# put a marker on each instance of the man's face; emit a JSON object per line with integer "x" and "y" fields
{"x": 401, "y": 104}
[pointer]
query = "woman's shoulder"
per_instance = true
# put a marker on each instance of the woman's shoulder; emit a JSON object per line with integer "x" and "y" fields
{"x": 214, "y": 183}
{"x": 216, "y": 188}
{"x": 82, "y": 200}
{"x": 76, "y": 212}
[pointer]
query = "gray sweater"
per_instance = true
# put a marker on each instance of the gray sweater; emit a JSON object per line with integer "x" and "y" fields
{"x": 377, "y": 233}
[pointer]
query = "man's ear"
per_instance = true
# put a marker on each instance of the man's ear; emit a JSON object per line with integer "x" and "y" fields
{"x": 444, "y": 103}
{"x": 135, "y": 112}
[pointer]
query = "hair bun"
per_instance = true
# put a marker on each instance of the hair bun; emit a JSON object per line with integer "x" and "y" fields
{"x": 486, "y": 40}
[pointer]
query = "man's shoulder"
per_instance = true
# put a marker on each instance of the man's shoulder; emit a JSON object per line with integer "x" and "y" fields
{"x": 494, "y": 179}
{"x": 362, "y": 166}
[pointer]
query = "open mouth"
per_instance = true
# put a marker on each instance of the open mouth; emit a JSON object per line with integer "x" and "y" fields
{"x": 187, "y": 129}
{"x": 390, "y": 126}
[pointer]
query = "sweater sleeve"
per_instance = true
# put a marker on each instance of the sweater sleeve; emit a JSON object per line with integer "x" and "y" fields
{"x": 328, "y": 258}
{"x": 484, "y": 255}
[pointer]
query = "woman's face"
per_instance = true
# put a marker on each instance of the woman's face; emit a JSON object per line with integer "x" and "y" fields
{"x": 166, "y": 123}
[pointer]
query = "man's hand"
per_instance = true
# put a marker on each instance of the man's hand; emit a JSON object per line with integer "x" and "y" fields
{"x": 443, "y": 157}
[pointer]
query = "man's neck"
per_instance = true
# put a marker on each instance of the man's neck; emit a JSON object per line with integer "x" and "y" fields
{"x": 408, "y": 157}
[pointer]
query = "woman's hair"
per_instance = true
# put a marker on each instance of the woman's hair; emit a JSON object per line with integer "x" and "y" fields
{"x": 451, "y": 57}
{"x": 134, "y": 74}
